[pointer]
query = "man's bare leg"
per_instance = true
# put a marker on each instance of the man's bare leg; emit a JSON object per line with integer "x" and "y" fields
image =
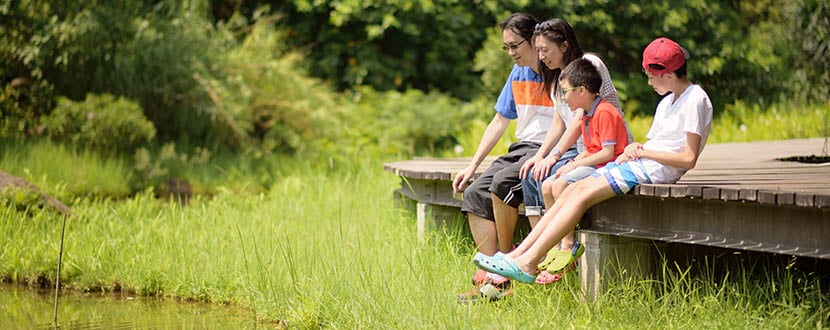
{"x": 506, "y": 218}
{"x": 484, "y": 233}
{"x": 533, "y": 219}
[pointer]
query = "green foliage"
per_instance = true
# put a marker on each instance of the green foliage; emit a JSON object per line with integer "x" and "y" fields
{"x": 493, "y": 63}
{"x": 146, "y": 51}
{"x": 412, "y": 122}
{"x": 810, "y": 31}
{"x": 153, "y": 168}
{"x": 742, "y": 122}
{"x": 261, "y": 98}
{"x": 100, "y": 122}
{"x": 21, "y": 199}
{"x": 390, "y": 44}
{"x": 21, "y": 105}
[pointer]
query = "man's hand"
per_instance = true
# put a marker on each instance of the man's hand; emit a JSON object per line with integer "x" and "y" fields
{"x": 462, "y": 178}
{"x": 530, "y": 163}
{"x": 542, "y": 169}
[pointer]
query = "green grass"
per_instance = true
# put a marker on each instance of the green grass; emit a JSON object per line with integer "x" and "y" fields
{"x": 326, "y": 248}
{"x": 65, "y": 172}
{"x": 743, "y": 123}
{"x": 321, "y": 245}
{"x": 737, "y": 123}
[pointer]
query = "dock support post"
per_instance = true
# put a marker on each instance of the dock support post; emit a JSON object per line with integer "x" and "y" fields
{"x": 612, "y": 259}
{"x": 437, "y": 217}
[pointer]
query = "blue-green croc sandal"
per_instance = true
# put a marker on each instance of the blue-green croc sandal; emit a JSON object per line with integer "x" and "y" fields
{"x": 505, "y": 266}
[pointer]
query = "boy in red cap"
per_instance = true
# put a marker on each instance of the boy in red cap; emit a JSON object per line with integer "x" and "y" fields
{"x": 676, "y": 139}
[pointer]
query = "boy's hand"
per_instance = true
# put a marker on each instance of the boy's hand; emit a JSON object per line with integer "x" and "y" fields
{"x": 564, "y": 169}
{"x": 631, "y": 152}
{"x": 622, "y": 158}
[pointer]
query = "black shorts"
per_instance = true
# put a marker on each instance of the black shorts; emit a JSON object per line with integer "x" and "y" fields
{"x": 501, "y": 179}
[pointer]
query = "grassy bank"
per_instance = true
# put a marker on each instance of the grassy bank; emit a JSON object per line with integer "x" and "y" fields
{"x": 326, "y": 248}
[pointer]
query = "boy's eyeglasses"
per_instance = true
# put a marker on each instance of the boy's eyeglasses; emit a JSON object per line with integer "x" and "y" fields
{"x": 562, "y": 91}
{"x": 513, "y": 47}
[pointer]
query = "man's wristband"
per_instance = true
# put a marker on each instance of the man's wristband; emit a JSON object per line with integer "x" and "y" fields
{"x": 556, "y": 153}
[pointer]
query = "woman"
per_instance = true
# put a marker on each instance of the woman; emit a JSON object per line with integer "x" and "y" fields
{"x": 557, "y": 46}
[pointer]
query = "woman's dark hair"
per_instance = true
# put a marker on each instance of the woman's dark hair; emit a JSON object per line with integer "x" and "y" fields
{"x": 558, "y": 31}
{"x": 521, "y": 24}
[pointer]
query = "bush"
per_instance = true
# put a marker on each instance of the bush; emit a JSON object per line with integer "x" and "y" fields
{"x": 100, "y": 122}
{"x": 412, "y": 122}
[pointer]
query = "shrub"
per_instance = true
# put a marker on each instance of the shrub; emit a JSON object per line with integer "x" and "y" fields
{"x": 100, "y": 122}
{"x": 411, "y": 122}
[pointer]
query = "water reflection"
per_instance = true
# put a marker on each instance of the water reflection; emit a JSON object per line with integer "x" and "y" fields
{"x": 22, "y": 308}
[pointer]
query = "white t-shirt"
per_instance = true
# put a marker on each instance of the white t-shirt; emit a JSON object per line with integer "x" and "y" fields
{"x": 692, "y": 113}
{"x": 523, "y": 98}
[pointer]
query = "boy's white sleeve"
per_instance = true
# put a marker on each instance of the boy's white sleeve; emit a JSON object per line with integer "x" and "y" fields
{"x": 698, "y": 115}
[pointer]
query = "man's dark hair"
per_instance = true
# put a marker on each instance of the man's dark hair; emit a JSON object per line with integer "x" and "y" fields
{"x": 521, "y": 24}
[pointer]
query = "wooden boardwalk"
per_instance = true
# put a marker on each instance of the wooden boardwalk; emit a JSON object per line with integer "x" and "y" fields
{"x": 739, "y": 196}
{"x": 749, "y": 172}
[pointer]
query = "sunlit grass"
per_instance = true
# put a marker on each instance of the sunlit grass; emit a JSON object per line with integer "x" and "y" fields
{"x": 743, "y": 123}
{"x": 322, "y": 245}
{"x": 736, "y": 123}
{"x": 78, "y": 172}
{"x": 327, "y": 248}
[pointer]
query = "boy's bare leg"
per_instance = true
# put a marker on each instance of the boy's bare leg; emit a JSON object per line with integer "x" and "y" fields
{"x": 506, "y": 218}
{"x": 543, "y": 222}
{"x": 484, "y": 234}
{"x": 577, "y": 198}
{"x": 559, "y": 186}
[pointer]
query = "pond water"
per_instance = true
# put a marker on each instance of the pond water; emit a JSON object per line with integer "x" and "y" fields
{"x": 24, "y": 308}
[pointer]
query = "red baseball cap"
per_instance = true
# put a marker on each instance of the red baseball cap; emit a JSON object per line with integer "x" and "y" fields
{"x": 666, "y": 53}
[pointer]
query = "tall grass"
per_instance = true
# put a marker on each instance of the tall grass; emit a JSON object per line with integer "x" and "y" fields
{"x": 48, "y": 165}
{"x": 326, "y": 248}
{"x": 738, "y": 122}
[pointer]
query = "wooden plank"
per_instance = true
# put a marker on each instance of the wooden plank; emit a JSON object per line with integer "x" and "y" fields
{"x": 805, "y": 200}
{"x": 662, "y": 190}
{"x": 822, "y": 200}
{"x": 767, "y": 196}
{"x": 647, "y": 190}
{"x": 748, "y": 194}
{"x": 785, "y": 198}
{"x": 729, "y": 194}
{"x": 694, "y": 191}
{"x": 678, "y": 191}
{"x": 711, "y": 193}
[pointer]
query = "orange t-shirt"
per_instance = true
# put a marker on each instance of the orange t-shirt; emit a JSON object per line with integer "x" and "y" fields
{"x": 603, "y": 126}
